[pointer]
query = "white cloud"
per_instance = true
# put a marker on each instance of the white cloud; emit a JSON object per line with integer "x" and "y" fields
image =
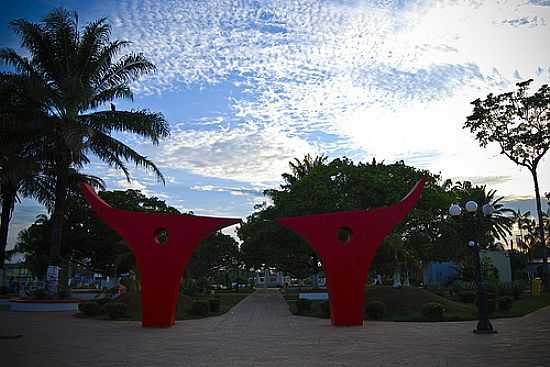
{"x": 248, "y": 153}
{"x": 389, "y": 79}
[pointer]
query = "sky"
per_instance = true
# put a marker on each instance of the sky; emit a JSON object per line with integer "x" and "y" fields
{"x": 248, "y": 85}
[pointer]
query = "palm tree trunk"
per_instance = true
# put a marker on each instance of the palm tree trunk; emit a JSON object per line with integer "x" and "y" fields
{"x": 58, "y": 219}
{"x": 8, "y": 201}
{"x": 541, "y": 230}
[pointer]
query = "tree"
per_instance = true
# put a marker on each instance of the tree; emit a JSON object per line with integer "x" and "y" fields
{"x": 216, "y": 253}
{"x": 519, "y": 124}
{"x": 342, "y": 185}
{"x": 89, "y": 243}
{"x": 20, "y": 154}
{"x": 73, "y": 73}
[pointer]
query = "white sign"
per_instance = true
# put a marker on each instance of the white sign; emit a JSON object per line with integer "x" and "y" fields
{"x": 53, "y": 273}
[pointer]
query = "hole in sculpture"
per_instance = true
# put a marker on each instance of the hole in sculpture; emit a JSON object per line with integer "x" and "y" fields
{"x": 344, "y": 235}
{"x": 161, "y": 236}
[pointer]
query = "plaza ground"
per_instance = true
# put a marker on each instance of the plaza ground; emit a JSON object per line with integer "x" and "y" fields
{"x": 260, "y": 331}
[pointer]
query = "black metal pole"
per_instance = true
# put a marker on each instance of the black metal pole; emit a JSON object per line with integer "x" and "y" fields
{"x": 484, "y": 325}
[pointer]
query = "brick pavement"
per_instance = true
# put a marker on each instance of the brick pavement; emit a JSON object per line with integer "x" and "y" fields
{"x": 260, "y": 331}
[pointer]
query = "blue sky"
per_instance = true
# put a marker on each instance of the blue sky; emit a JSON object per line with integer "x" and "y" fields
{"x": 248, "y": 85}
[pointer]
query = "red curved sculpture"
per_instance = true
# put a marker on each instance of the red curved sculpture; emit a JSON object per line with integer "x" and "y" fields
{"x": 160, "y": 263}
{"x": 346, "y": 263}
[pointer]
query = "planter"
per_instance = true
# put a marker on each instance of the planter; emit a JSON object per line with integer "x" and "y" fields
{"x": 85, "y": 294}
{"x": 44, "y": 305}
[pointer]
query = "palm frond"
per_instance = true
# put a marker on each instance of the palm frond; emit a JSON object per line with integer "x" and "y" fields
{"x": 111, "y": 150}
{"x": 149, "y": 125}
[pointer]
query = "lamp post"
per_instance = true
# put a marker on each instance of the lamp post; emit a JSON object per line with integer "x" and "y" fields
{"x": 473, "y": 233}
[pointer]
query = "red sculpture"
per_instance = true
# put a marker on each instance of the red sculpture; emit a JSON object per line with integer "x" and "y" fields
{"x": 346, "y": 261}
{"x": 162, "y": 245}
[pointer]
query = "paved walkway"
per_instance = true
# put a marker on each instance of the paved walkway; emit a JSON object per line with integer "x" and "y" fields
{"x": 260, "y": 331}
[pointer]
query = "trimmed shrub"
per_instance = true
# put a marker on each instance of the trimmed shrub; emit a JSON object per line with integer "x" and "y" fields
{"x": 214, "y": 304}
{"x": 433, "y": 311}
{"x": 90, "y": 309}
{"x": 505, "y": 303}
{"x": 492, "y": 302}
{"x": 303, "y": 306}
{"x": 39, "y": 293}
{"x": 64, "y": 293}
{"x": 116, "y": 310}
{"x": 467, "y": 296}
{"x": 375, "y": 310}
{"x": 517, "y": 290}
{"x": 325, "y": 309}
{"x": 200, "y": 307}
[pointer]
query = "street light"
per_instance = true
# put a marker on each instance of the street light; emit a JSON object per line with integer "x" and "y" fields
{"x": 473, "y": 232}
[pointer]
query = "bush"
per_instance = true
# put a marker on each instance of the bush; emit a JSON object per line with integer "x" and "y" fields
{"x": 116, "y": 310}
{"x": 303, "y": 306}
{"x": 517, "y": 290}
{"x": 64, "y": 293}
{"x": 3, "y": 290}
{"x": 467, "y": 296}
{"x": 200, "y": 307}
{"x": 491, "y": 302}
{"x": 505, "y": 303}
{"x": 375, "y": 310}
{"x": 433, "y": 311}
{"x": 90, "y": 309}
{"x": 214, "y": 304}
{"x": 39, "y": 293}
{"x": 325, "y": 309}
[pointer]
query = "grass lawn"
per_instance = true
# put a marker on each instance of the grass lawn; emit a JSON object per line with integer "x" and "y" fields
{"x": 524, "y": 305}
{"x": 405, "y": 304}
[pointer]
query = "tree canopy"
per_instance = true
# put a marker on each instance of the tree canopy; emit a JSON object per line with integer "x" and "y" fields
{"x": 427, "y": 233}
{"x": 520, "y": 124}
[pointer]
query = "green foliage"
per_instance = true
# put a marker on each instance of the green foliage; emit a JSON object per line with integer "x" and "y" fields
{"x": 325, "y": 309}
{"x": 91, "y": 308}
{"x": 433, "y": 311}
{"x": 375, "y": 310}
{"x": 467, "y": 296}
{"x": 71, "y": 74}
{"x": 116, "y": 310}
{"x": 505, "y": 303}
{"x": 88, "y": 241}
{"x": 218, "y": 252}
{"x": 214, "y": 305}
{"x": 303, "y": 306}
{"x": 519, "y": 124}
{"x": 317, "y": 186}
{"x": 39, "y": 293}
{"x": 200, "y": 307}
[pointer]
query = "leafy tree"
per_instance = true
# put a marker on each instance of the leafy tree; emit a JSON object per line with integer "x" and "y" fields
{"x": 87, "y": 242}
{"x": 219, "y": 252}
{"x": 519, "y": 124}
{"x": 338, "y": 186}
{"x": 73, "y": 72}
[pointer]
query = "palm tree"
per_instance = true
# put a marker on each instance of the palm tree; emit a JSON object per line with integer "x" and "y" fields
{"x": 496, "y": 226}
{"x": 73, "y": 73}
{"x": 21, "y": 153}
{"x": 301, "y": 168}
